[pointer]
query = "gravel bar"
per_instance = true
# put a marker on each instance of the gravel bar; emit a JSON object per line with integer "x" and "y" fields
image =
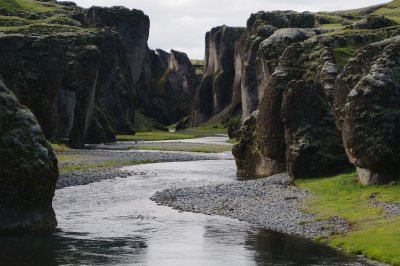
{"x": 270, "y": 203}
{"x": 92, "y": 157}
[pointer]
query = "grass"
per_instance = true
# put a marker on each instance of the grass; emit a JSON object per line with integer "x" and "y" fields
{"x": 60, "y": 147}
{"x": 25, "y": 5}
{"x": 197, "y": 61}
{"x": 232, "y": 141}
{"x": 343, "y": 54}
{"x": 189, "y": 133}
{"x": 154, "y": 136}
{"x": 204, "y": 148}
{"x": 76, "y": 167}
{"x": 332, "y": 26}
{"x": 68, "y": 157}
{"x": 372, "y": 232}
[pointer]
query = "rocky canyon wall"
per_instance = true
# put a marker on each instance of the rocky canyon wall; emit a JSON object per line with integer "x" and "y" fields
{"x": 299, "y": 116}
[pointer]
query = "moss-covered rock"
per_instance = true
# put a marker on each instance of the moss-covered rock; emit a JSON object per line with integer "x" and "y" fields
{"x": 371, "y": 117}
{"x": 219, "y": 74}
{"x": 313, "y": 145}
{"x": 167, "y": 94}
{"x": 373, "y": 22}
{"x": 28, "y": 170}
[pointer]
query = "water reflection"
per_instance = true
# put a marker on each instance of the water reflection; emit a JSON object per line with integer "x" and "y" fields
{"x": 272, "y": 248}
{"x": 75, "y": 249}
{"x": 113, "y": 222}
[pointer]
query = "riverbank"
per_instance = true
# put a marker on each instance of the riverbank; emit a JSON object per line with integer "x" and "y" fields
{"x": 271, "y": 203}
{"x": 93, "y": 180}
{"x": 336, "y": 210}
{"x": 103, "y": 162}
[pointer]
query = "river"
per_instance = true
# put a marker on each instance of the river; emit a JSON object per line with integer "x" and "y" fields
{"x": 114, "y": 222}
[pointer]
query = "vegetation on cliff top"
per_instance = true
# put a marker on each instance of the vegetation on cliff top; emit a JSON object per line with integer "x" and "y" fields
{"x": 373, "y": 232}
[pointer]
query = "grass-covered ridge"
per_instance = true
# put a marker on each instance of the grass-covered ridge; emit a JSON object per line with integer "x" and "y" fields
{"x": 373, "y": 232}
{"x": 189, "y": 133}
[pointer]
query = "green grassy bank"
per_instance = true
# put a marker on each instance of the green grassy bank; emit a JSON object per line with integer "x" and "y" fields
{"x": 373, "y": 233}
{"x": 189, "y": 133}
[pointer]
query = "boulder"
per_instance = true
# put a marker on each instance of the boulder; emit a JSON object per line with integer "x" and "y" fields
{"x": 373, "y": 22}
{"x": 313, "y": 145}
{"x": 371, "y": 120}
{"x": 28, "y": 170}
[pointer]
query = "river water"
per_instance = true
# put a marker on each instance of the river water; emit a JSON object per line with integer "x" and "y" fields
{"x": 114, "y": 222}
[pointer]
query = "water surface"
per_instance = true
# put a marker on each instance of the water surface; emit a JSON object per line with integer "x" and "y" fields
{"x": 114, "y": 222}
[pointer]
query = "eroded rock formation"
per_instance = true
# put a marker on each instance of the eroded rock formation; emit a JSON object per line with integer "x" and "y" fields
{"x": 28, "y": 170}
{"x": 368, "y": 99}
{"x": 167, "y": 93}
{"x": 289, "y": 76}
{"x": 214, "y": 93}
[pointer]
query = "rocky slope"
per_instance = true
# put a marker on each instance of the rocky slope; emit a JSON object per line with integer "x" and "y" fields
{"x": 28, "y": 170}
{"x": 298, "y": 115}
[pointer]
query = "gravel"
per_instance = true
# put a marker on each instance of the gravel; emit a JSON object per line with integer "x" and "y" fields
{"x": 389, "y": 208}
{"x": 270, "y": 203}
{"x": 95, "y": 174}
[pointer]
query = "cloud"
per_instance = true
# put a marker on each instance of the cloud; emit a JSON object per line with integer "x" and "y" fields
{"x": 182, "y": 24}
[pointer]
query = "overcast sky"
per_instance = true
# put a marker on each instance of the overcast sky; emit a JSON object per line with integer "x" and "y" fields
{"x": 182, "y": 24}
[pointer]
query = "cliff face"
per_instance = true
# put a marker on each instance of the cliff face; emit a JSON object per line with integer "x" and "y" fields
{"x": 269, "y": 34}
{"x": 367, "y": 101}
{"x": 289, "y": 77}
{"x": 214, "y": 93}
{"x": 78, "y": 71}
{"x": 61, "y": 78}
{"x": 169, "y": 84}
{"x": 28, "y": 170}
{"x": 133, "y": 27}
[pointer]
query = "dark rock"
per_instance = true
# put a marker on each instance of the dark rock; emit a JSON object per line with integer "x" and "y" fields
{"x": 62, "y": 77}
{"x": 245, "y": 150}
{"x": 214, "y": 93}
{"x": 182, "y": 124}
{"x": 28, "y": 170}
{"x": 168, "y": 86}
{"x": 132, "y": 25}
{"x": 371, "y": 121}
{"x": 314, "y": 146}
{"x": 373, "y": 22}
{"x": 283, "y": 19}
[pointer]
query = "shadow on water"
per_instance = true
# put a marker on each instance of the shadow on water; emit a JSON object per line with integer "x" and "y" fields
{"x": 56, "y": 249}
{"x": 272, "y": 248}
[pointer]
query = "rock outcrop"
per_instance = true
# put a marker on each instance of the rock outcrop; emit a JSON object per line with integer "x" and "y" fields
{"x": 287, "y": 134}
{"x": 373, "y": 22}
{"x": 297, "y": 112}
{"x": 368, "y": 98}
{"x": 28, "y": 170}
{"x": 313, "y": 145}
{"x": 66, "y": 78}
{"x": 269, "y": 34}
{"x": 79, "y": 72}
{"x": 167, "y": 92}
{"x": 214, "y": 93}
{"x": 133, "y": 27}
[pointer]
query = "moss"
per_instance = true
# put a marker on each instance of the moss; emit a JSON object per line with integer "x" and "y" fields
{"x": 373, "y": 233}
{"x": 343, "y": 54}
{"x": 14, "y": 6}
